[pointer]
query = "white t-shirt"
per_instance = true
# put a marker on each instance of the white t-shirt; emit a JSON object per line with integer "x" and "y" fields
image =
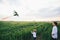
{"x": 34, "y": 34}
{"x": 54, "y": 32}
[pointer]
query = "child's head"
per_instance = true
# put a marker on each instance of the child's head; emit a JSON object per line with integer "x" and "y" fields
{"x": 34, "y": 30}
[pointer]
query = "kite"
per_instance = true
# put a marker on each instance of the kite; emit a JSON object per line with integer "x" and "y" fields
{"x": 15, "y": 14}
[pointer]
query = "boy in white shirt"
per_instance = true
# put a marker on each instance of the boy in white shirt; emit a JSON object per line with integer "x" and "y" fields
{"x": 34, "y": 34}
{"x": 54, "y": 31}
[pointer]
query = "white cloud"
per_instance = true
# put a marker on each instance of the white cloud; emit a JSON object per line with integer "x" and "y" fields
{"x": 49, "y": 12}
{"x": 30, "y": 9}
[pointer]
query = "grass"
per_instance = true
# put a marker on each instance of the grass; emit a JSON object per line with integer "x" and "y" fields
{"x": 22, "y": 30}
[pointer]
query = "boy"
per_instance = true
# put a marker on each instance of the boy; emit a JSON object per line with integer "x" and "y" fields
{"x": 34, "y": 34}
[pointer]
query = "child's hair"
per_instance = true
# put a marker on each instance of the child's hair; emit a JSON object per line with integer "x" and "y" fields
{"x": 55, "y": 23}
{"x": 34, "y": 30}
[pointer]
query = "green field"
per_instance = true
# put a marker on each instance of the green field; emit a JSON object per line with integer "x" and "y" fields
{"x": 22, "y": 30}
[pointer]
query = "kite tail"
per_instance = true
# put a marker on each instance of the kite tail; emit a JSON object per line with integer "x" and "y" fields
{"x": 6, "y": 17}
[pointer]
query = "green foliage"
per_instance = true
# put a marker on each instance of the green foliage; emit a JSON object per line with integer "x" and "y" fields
{"x": 22, "y": 30}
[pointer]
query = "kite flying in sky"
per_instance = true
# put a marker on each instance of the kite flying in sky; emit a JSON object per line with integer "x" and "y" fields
{"x": 15, "y": 14}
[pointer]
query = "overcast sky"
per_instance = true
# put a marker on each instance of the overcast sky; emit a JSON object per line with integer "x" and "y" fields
{"x": 30, "y": 9}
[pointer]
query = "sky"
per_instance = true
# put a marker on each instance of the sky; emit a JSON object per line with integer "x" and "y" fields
{"x": 30, "y": 10}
